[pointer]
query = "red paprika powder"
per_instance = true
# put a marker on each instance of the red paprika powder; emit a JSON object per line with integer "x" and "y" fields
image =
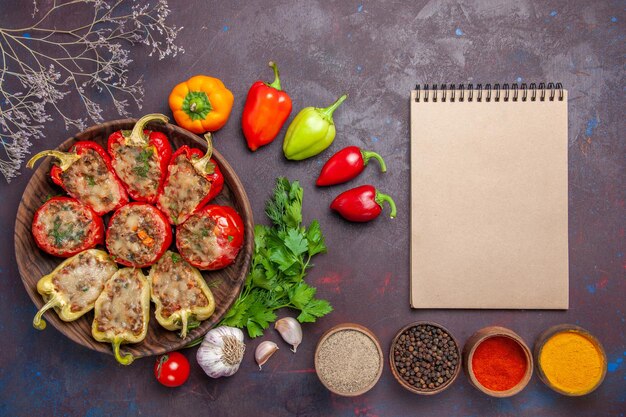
{"x": 499, "y": 363}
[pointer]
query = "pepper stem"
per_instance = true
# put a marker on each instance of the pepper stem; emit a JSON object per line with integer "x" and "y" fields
{"x": 124, "y": 360}
{"x": 367, "y": 155}
{"x": 65, "y": 158}
{"x": 381, "y": 198}
{"x": 38, "y": 322}
{"x": 137, "y": 137}
{"x": 276, "y": 83}
{"x": 328, "y": 111}
{"x": 184, "y": 318}
{"x": 204, "y": 165}
{"x": 194, "y": 343}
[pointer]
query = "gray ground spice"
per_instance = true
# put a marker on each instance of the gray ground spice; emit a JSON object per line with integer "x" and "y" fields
{"x": 348, "y": 361}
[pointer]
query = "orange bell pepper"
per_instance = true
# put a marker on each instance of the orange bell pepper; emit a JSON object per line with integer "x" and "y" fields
{"x": 201, "y": 104}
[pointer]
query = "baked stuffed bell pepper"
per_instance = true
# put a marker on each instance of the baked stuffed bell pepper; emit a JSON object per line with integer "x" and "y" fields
{"x": 85, "y": 173}
{"x": 63, "y": 227}
{"x": 211, "y": 238}
{"x": 181, "y": 296}
{"x": 193, "y": 180}
{"x": 138, "y": 235}
{"x": 73, "y": 287}
{"x": 140, "y": 158}
{"x": 122, "y": 311}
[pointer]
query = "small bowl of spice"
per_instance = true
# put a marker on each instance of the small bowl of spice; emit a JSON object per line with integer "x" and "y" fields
{"x": 348, "y": 359}
{"x": 570, "y": 360}
{"x": 497, "y": 361}
{"x": 425, "y": 358}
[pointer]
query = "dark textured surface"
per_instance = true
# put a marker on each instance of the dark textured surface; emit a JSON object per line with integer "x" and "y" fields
{"x": 375, "y": 51}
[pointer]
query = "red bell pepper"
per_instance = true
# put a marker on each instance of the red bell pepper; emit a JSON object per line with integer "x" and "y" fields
{"x": 193, "y": 179}
{"x": 84, "y": 173}
{"x": 140, "y": 157}
{"x": 211, "y": 238}
{"x": 265, "y": 112}
{"x": 63, "y": 227}
{"x": 362, "y": 204}
{"x": 346, "y": 165}
{"x": 138, "y": 234}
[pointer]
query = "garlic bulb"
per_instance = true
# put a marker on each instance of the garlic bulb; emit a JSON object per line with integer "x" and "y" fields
{"x": 221, "y": 351}
{"x": 264, "y": 351}
{"x": 290, "y": 330}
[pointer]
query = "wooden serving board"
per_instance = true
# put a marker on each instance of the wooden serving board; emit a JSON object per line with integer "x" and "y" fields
{"x": 34, "y": 263}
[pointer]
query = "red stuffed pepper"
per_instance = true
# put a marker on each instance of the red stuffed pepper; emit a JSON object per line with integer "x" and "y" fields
{"x": 362, "y": 204}
{"x": 85, "y": 173}
{"x": 140, "y": 158}
{"x": 193, "y": 179}
{"x": 64, "y": 227}
{"x": 265, "y": 112}
{"x": 138, "y": 235}
{"x": 211, "y": 238}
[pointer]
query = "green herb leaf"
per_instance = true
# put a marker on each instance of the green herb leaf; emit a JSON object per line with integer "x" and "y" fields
{"x": 143, "y": 162}
{"x": 296, "y": 242}
{"x": 176, "y": 258}
{"x": 314, "y": 309}
{"x": 281, "y": 257}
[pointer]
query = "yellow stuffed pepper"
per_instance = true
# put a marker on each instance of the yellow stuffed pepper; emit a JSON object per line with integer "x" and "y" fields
{"x": 73, "y": 287}
{"x": 122, "y": 311}
{"x": 180, "y": 294}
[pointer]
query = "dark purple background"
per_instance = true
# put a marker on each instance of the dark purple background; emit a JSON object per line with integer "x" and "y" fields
{"x": 375, "y": 52}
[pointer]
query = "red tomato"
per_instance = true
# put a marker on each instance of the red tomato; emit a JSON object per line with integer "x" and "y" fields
{"x": 171, "y": 369}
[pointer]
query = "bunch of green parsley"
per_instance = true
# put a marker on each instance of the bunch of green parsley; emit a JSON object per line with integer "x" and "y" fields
{"x": 282, "y": 255}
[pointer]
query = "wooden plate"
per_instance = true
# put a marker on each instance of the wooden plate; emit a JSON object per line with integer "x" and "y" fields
{"x": 33, "y": 263}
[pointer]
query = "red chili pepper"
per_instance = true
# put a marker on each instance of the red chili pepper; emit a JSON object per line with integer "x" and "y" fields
{"x": 131, "y": 153}
{"x": 346, "y": 165}
{"x": 170, "y": 201}
{"x": 218, "y": 227}
{"x": 362, "y": 204}
{"x": 265, "y": 112}
{"x": 150, "y": 230}
{"x": 57, "y": 236}
{"x": 85, "y": 181}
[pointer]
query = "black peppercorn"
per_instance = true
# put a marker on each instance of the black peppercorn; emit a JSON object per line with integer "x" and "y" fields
{"x": 425, "y": 356}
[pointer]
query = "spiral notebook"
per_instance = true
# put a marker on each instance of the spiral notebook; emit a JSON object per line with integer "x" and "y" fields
{"x": 489, "y": 196}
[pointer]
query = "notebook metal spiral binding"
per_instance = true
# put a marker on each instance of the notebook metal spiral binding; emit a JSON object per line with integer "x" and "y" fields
{"x": 512, "y": 92}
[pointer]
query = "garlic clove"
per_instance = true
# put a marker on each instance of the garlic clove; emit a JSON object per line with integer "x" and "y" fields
{"x": 264, "y": 351}
{"x": 290, "y": 330}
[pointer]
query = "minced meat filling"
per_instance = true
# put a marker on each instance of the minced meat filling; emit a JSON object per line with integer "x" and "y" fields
{"x": 136, "y": 234}
{"x": 83, "y": 279}
{"x": 197, "y": 240}
{"x": 185, "y": 189}
{"x": 138, "y": 167}
{"x": 90, "y": 181}
{"x": 121, "y": 310}
{"x": 65, "y": 223}
{"x": 174, "y": 284}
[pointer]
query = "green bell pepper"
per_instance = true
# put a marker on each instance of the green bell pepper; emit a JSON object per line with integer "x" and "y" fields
{"x": 311, "y": 131}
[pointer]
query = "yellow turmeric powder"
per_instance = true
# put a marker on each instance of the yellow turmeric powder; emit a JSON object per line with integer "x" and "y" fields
{"x": 572, "y": 362}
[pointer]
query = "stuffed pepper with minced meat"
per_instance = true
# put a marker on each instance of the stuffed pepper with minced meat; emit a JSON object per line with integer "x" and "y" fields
{"x": 122, "y": 311}
{"x": 85, "y": 172}
{"x": 193, "y": 179}
{"x": 63, "y": 227}
{"x": 73, "y": 287}
{"x": 140, "y": 158}
{"x": 138, "y": 235}
{"x": 211, "y": 238}
{"x": 180, "y": 294}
